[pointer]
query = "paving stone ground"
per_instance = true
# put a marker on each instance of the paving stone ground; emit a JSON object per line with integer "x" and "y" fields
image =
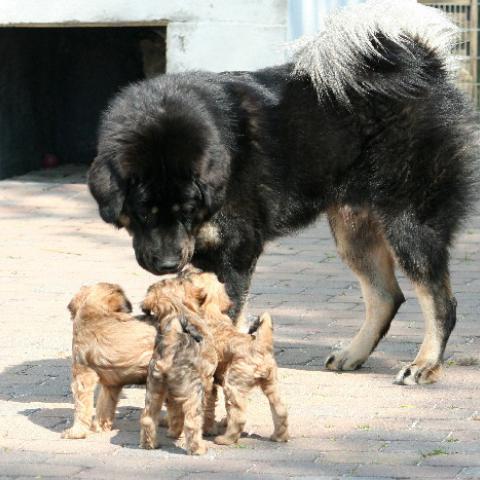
{"x": 351, "y": 425}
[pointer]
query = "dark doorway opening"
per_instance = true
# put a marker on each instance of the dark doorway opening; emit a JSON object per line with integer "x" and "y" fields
{"x": 55, "y": 82}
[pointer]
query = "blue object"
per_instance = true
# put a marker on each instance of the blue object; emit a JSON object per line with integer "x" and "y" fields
{"x": 306, "y": 17}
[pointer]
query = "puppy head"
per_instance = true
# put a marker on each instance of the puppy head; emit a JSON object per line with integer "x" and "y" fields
{"x": 106, "y": 296}
{"x": 164, "y": 298}
{"x": 161, "y": 170}
{"x": 207, "y": 291}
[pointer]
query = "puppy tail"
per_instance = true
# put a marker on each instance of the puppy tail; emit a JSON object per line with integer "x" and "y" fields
{"x": 388, "y": 47}
{"x": 264, "y": 331}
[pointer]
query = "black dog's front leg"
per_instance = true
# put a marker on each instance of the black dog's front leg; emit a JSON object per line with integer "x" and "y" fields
{"x": 237, "y": 281}
{"x": 237, "y": 284}
{"x": 233, "y": 261}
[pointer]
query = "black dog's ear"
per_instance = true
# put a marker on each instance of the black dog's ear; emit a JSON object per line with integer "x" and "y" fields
{"x": 107, "y": 187}
{"x": 207, "y": 195}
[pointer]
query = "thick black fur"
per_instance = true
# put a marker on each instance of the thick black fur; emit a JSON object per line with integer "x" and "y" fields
{"x": 259, "y": 155}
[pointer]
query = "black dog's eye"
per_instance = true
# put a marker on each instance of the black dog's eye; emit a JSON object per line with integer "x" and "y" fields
{"x": 150, "y": 217}
{"x": 186, "y": 214}
{"x": 188, "y": 208}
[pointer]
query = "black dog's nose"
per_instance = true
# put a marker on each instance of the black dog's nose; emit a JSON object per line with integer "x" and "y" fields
{"x": 165, "y": 265}
{"x": 168, "y": 263}
{"x": 157, "y": 264}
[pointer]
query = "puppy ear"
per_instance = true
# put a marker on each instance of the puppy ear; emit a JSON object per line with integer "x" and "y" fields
{"x": 77, "y": 301}
{"x": 190, "y": 329}
{"x": 214, "y": 292}
{"x": 118, "y": 302}
{"x": 195, "y": 297}
{"x": 148, "y": 303}
{"x": 224, "y": 300}
{"x": 155, "y": 305}
{"x": 107, "y": 187}
{"x": 73, "y": 307}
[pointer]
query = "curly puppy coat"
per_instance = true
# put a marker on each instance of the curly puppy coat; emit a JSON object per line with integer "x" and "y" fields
{"x": 182, "y": 367}
{"x": 109, "y": 347}
{"x": 244, "y": 360}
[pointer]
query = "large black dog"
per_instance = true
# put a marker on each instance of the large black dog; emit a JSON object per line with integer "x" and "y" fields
{"x": 366, "y": 126}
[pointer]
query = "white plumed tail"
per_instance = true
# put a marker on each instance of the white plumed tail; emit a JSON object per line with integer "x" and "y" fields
{"x": 336, "y": 58}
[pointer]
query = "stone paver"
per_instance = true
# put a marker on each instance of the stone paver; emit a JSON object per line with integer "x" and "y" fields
{"x": 351, "y": 425}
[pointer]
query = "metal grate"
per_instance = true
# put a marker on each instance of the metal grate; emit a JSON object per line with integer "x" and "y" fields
{"x": 464, "y": 13}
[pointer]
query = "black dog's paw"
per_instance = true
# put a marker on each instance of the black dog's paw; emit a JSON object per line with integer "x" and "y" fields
{"x": 343, "y": 360}
{"x": 418, "y": 374}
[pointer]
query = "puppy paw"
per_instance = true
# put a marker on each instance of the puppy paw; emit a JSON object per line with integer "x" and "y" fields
{"x": 95, "y": 427}
{"x": 419, "y": 374}
{"x": 148, "y": 434}
{"x": 147, "y": 441}
{"x": 344, "y": 360}
{"x": 75, "y": 432}
{"x": 224, "y": 440}
{"x": 101, "y": 426}
{"x": 148, "y": 445}
{"x": 199, "y": 449}
{"x": 282, "y": 437}
{"x": 215, "y": 429}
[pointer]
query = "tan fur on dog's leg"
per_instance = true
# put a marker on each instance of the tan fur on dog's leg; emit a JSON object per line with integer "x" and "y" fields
{"x": 106, "y": 404}
{"x": 362, "y": 246}
{"x": 279, "y": 412}
{"x": 83, "y": 388}
{"x": 236, "y": 418}
{"x": 241, "y": 322}
{"x": 209, "y": 425}
{"x": 150, "y": 417}
{"x": 439, "y": 311}
{"x": 193, "y": 411}
{"x": 176, "y": 418}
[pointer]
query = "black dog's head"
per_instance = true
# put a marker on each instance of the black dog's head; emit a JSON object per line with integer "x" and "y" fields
{"x": 161, "y": 170}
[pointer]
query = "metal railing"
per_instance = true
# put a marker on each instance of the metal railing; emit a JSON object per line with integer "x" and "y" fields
{"x": 464, "y": 13}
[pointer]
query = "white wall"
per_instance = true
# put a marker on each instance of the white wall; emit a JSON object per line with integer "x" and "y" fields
{"x": 201, "y": 34}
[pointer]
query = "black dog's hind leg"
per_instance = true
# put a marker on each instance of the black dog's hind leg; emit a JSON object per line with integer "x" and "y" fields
{"x": 363, "y": 248}
{"x": 422, "y": 251}
{"x": 439, "y": 311}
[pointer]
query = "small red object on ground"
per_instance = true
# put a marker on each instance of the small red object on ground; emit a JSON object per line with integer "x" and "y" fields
{"x": 50, "y": 160}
